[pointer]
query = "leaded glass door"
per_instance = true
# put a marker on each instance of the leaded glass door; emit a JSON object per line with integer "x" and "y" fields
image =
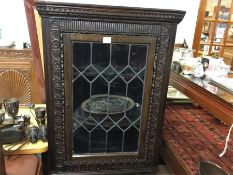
{"x": 107, "y": 92}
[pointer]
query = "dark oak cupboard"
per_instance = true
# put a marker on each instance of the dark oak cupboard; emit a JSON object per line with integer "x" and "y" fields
{"x": 107, "y": 71}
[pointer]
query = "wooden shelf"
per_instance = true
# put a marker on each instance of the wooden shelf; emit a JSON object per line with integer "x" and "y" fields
{"x": 216, "y": 44}
{"x": 209, "y": 26}
{"x": 217, "y": 20}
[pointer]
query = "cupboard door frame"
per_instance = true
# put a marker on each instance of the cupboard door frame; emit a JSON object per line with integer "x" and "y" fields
{"x": 68, "y": 40}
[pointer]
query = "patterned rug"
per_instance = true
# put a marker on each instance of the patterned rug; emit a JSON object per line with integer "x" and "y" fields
{"x": 193, "y": 135}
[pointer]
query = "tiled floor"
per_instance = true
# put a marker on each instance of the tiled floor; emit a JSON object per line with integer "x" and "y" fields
{"x": 163, "y": 170}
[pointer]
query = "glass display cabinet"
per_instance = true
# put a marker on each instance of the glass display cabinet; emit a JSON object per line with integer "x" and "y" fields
{"x": 210, "y": 95}
{"x": 107, "y": 71}
{"x": 214, "y": 29}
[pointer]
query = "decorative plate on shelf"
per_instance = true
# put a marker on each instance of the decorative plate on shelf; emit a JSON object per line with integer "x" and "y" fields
{"x": 107, "y": 104}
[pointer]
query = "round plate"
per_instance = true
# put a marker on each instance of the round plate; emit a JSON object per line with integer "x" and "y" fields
{"x": 107, "y": 104}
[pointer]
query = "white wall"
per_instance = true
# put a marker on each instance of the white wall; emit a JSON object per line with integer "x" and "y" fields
{"x": 14, "y": 25}
{"x": 186, "y": 28}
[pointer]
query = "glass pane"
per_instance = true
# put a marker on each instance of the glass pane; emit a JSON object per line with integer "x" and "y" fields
{"x": 120, "y": 59}
{"x": 100, "y": 55}
{"x": 81, "y": 55}
{"x": 205, "y": 35}
{"x": 210, "y": 12}
{"x": 215, "y": 52}
{"x": 108, "y": 81}
{"x": 208, "y": 29}
{"x": 219, "y": 32}
{"x": 224, "y": 10}
{"x": 204, "y": 50}
{"x": 137, "y": 55}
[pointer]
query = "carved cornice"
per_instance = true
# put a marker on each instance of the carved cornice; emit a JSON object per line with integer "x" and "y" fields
{"x": 113, "y": 13}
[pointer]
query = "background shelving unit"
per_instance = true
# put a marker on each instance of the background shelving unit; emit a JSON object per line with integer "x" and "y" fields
{"x": 214, "y": 29}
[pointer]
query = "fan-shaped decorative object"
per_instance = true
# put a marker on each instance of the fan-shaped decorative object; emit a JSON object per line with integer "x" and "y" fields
{"x": 15, "y": 83}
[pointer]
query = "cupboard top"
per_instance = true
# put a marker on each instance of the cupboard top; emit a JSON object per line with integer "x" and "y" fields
{"x": 116, "y": 13}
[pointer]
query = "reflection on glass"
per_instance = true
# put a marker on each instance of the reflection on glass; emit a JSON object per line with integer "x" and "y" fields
{"x": 213, "y": 88}
{"x": 108, "y": 81}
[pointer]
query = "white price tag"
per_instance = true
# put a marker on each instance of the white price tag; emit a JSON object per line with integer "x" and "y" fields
{"x": 107, "y": 40}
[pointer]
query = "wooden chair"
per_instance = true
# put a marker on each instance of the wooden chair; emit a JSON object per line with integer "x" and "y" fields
{"x": 18, "y": 164}
{"x": 17, "y": 76}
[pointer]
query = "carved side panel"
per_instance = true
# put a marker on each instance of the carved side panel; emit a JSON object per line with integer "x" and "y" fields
{"x": 57, "y": 86}
{"x": 161, "y": 74}
{"x": 156, "y": 98}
